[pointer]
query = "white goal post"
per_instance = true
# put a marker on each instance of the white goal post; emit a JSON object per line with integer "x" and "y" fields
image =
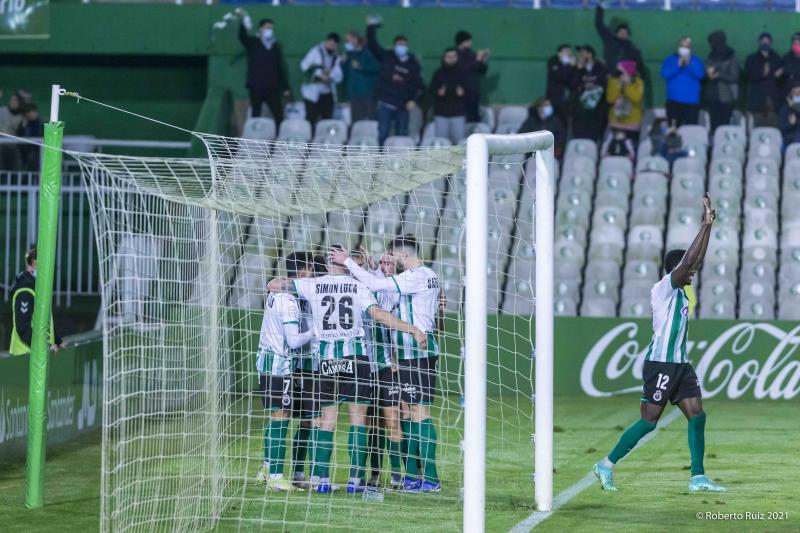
{"x": 479, "y": 149}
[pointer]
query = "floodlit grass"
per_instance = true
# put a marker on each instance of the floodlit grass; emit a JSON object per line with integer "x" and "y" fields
{"x": 752, "y": 447}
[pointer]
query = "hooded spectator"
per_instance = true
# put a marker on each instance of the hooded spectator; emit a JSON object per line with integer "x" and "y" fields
{"x": 617, "y": 46}
{"x": 360, "y": 70}
{"x": 789, "y": 117}
{"x": 449, "y": 98}
{"x": 31, "y": 127}
{"x": 399, "y": 86}
{"x": 560, "y": 72}
{"x": 541, "y": 116}
{"x": 764, "y": 69}
{"x": 589, "y": 89}
{"x": 791, "y": 65}
{"x": 11, "y": 118}
{"x": 322, "y": 72}
{"x": 683, "y": 71}
{"x": 722, "y": 89}
{"x": 266, "y": 71}
{"x": 474, "y": 66}
{"x": 624, "y": 96}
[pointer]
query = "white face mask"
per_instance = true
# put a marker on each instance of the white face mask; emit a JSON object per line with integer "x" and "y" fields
{"x": 547, "y": 111}
{"x": 349, "y": 46}
{"x": 267, "y": 33}
{"x": 684, "y": 51}
{"x": 565, "y": 59}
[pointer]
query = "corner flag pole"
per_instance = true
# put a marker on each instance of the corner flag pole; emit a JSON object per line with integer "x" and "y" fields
{"x": 49, "y": 194}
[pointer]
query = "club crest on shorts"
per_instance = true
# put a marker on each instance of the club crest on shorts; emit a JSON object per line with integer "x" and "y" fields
{"x": 657, "y": 396}
{"x": 685, "y": 311}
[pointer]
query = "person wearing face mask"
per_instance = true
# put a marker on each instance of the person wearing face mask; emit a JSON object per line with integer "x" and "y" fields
{"x": 789, "y": 117}
{"x": 560, "y": 72}
{"x": 474, "y": 66}
{"x": 722, "y": 89}
{"x": 764, "y": 69}
{"x": 791, "y": 65}
{"x": 624, "y": 95}
{"x": 22, "y": 301}
{"x": 267, "y": 82}
{"x": 11, "y": 118}
{"x": 447, "y": 88}
{"x": 541, "y": 116}
{"x": 617, "y": 46}
{"x": 683, "y": 72}
{"x": 399, "y": 86}
{"x": 360, "y": 74}
{"x": 322, "y": 72}
{"x": 590, "y": 110}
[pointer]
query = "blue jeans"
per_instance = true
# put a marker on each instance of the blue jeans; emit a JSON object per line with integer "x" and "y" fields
{"x": 388, "y": 114}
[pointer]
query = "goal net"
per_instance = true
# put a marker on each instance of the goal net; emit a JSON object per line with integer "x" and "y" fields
{"x": 187, "y": 247}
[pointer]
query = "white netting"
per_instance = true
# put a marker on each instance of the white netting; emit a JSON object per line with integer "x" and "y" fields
{"x": 187, "y": 247}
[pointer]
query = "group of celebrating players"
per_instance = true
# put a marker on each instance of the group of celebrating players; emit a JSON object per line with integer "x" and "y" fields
{"x": 344, "y": 328}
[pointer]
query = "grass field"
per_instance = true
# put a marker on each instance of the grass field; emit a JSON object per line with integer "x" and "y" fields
{"x": 752, "y": 447}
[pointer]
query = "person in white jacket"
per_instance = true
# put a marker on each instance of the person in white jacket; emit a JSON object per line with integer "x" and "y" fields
{"x": 322, "y": 72}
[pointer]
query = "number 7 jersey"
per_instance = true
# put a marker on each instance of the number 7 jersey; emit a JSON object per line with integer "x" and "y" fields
{"x": 338, "y": 303}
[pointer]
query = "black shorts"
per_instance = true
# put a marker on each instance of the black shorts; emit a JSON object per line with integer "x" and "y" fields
{"x": 418, "y": 380}
{"x": 346, "y": 380}
{"x": 276, "y": 391}
{"x": 306, "y": 394}
{"x": 669, "y": 381}
{"x": 386, "y": 387}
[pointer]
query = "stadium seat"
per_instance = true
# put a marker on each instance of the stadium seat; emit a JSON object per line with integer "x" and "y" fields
{"x": 761, "y": 166}
{"x": 730, "y": 135}
{"x": 757, "y": 302}
{"x": 760, "y": 244}
{"x": 650, "y": 182}
{"x": 717, "y": 268}
{"x": 569, "y": 251}
{"x": 512, "y": 116}
{"x": 260, "y": 128}
{"x": 645, "y": 243}
{"x": 728, "y": 150}
{"x": 383, "y": 220}
{"x": 609, "y": 215}
{"x": 645, "y": 148}
{"x": 571, "y": 232}
{"x": 570, "y": 272}
{"x": 616, "y": 183}
{"x": 686, "y": 188}
{"x": 581, "y": 148}
{"x": 765, "y": 136}
{"x": 653, "y": 164}
{"x": 717, "y": 308}
{"x": 565, "y": 307}
{"x": 365, "y": 142}
{"x": 403, "y": 141}
{"x": 295, "y": 130}
{"x": 693, "y": 134}
{"x": 607, "y": 242}
{"x": 722, "y": 244}
{"x": 725, "y": 185}
{"x": 756, "y": 271}
{"x": 599, "y": 307}
{"x": 689, "y": 165}
{"x": 789, "y": 303}
{"x": 566, "y": 289}
{"x": 637, "y": 289}
{"x": 303, "y": 232}
{"x": 634, "y": 308}
{"x": 575, "y": 181}
{"x": 792, "y": 153}
{"x": 616, "y": 165}
{"x": 477, "y": 127}
{"x": 639, "y": 270}
{"x": 330, "y": 131}
{"x": 582, "y": 164}
{"x": 648, "y": 209}
{"x": 605, "y": 270}
{"x": 436, "y": 142}
{"x": 364, "y": 129}
{"x": 251, "y": 271}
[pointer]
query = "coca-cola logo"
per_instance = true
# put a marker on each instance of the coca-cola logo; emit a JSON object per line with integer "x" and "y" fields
{"x": 757, "y": 359}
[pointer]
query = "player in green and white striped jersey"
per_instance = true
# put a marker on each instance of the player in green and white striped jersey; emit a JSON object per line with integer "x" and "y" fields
{"x": 418, "y": 289}
{"x": 280, "y": 334}
{"x": 667, "y": 373}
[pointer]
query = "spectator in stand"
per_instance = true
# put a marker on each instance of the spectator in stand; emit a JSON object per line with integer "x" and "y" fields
{"x": 10, "y": 120}
{"x": 560, "y": 72}
{"x": 541, "y": 116}
{"x": 360, "y": 74}
{"x": 399, "y": 86}
{"x": 683, "y": 72}
{"x": 31, "y": 127}
{"x": 789, "y": 117}
{"x": 624, "y": 95}
{"x": 791, "y": 65}
{"x": 617, "y": 46}
{"x": 619, "y": 144}
{"x": 449, "y": 98}
{"x": 474, "y": 66}
{"x": 266, "y": 70}
{"x": 322, "y": 72}
{"x": 589, "y": 87}
{"x": 764, "y": 70}
{"x": 666, "y": 141}
{"x": 722, "y": 89}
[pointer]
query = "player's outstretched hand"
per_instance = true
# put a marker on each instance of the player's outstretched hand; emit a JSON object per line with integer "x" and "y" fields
{"x": 338, "y": 256}
{"x": 373, "y": 265}
{"x": 709, "y": 214}
{"x": 421, "y": 338}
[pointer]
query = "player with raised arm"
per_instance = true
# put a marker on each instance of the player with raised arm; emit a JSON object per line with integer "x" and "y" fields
{"x": 418, "y": 288}
{"x": 667, "y": 373}
{"x": 280, "y": 334}
{"x": 337, "y": 304}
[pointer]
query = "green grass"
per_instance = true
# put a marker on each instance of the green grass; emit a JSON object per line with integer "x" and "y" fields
{"x": 752, "y": 447}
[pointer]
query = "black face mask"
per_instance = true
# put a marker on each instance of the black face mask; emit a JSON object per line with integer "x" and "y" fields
{"x": 765, "y": 47}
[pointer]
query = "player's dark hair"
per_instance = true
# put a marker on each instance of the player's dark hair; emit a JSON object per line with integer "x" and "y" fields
{"x": 297, "y": 261}
{"x": 405, "y": 241}
{"x": 673, "y": 259}
{"x": 320, "y": 268}
{"x": 265, "y": 21}
{"x": 30, "y": 255}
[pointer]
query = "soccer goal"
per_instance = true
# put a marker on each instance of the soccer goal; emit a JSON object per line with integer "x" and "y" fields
{"x": 186, "y": 249}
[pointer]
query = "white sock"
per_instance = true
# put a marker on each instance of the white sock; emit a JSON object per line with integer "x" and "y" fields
{"x": 606, "y": 463}
{"x": 699, "y": 475}
{"x": 266, "y": 465}
{"x": 276, "y": 476}
{"x": 355, "y": 481}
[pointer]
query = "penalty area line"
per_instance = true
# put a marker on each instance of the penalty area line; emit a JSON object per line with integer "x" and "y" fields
{"x": 537, "y": 517}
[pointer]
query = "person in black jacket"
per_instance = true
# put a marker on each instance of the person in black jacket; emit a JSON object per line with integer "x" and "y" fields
{"x": 399, "y": 86}
{"x": 791, "y": 65}
{"x": 541, "y": 116}
{"x": 763, "y": 70}
{"x": 789, "y": 117}
{"x": 449, "y": 98}
{"x": 474, "y": 66}
{"x": 590, "y": 112}
{"x": 266, "y": 70}
{"x": 31, "y": 127}
{"x": 617, "y": 46}
{"x": 560, "y": 71}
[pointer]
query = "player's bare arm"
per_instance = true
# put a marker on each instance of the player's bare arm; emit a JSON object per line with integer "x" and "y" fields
{"x": 392, "y": 322}
{"x": 279, "y": 284}
{"x": 693, "y": 258}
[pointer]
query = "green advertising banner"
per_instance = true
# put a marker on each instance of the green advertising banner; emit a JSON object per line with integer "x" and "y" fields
{"x": 74, "y": 396}
{"x": 24, "y": 19}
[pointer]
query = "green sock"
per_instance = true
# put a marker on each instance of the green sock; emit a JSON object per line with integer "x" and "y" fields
{"x": 394, "y": 456}
{"x": 697, "y": 442}
{"x": 300, "y": 445}
{"x": 405, "y": 425}
{"x": 275, "y": 445}
{"x": 357, "y": 445}
{"x": 427, "y": 447}
{"x": 628, "y": 440}
{"x": 412, "y": 458}
{"x": 322, "y": 453}
{"x": 312, "y": 449}
{"x": 377, "y": 443}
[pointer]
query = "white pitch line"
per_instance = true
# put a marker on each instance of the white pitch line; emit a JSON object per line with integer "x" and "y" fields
{"x": 588, "y": 480}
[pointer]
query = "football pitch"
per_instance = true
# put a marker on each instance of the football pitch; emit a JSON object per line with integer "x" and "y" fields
{"x": 752, "y": 447}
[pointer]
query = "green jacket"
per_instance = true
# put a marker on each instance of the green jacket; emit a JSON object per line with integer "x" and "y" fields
{"x": 360, "y": 82}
